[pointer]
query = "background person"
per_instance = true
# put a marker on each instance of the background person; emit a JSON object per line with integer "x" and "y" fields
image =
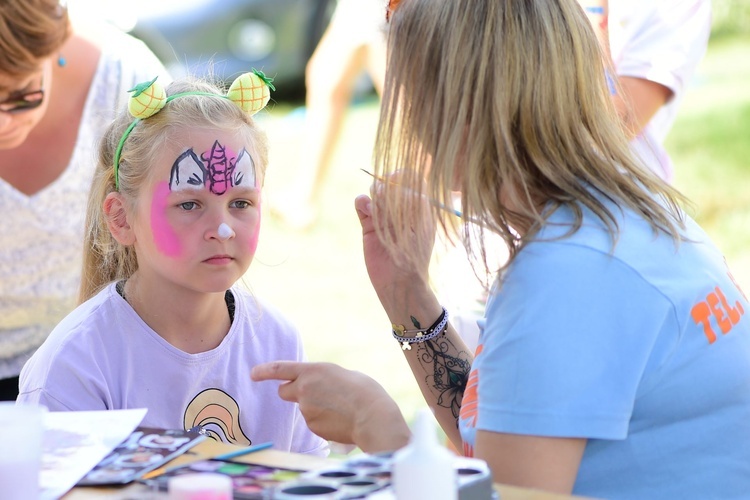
{"x": 353, "y": 43}
{"x": 59, "y": 88}
{"x": 655, "y": 47}
{"x": 615, "y": 351}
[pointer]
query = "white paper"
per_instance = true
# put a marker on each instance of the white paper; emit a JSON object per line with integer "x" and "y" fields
{"x": 75, "y": 441}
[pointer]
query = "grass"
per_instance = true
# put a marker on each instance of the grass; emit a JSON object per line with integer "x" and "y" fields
{"x": 710, "y": 147}
{"x": 318, "y": 277}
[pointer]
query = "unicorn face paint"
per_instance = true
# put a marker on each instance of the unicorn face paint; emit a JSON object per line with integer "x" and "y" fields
{"x": 217, "y": 169}
{"x": 202, "y": 220}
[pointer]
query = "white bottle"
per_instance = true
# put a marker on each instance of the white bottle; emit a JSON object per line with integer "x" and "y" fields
{"x": 424, "y": 469}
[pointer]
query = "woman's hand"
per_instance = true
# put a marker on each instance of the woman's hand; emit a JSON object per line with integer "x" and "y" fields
{"x": 338, "y": 404}
{"x": 400, "y": 279}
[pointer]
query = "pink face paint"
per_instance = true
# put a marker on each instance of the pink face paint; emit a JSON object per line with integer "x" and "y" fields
{"x": 165, "y": 238}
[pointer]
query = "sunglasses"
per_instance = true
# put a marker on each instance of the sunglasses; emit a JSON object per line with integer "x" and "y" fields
{"x": 23, "y": 102}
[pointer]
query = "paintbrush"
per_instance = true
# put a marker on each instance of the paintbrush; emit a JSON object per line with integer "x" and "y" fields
{"x": 436, "y": 203}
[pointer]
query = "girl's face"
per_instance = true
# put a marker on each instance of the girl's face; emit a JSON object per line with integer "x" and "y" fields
{"x": 23, "y": 102}
{"x": 198, "y": 217}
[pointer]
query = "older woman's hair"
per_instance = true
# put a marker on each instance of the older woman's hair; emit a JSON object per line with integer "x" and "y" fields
{"x": 30, "y": 30}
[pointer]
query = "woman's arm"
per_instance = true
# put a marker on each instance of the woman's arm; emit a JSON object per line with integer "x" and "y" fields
{"x": 636, "y": 99}
{"x": 544, "y": 463}
{"x": 441, "y": 366}
{"x": 350, "y": 407}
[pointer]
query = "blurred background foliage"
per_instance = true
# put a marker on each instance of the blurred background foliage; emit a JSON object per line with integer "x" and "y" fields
{"x": 730, "y": 17}
{"x": 710, "y": 141}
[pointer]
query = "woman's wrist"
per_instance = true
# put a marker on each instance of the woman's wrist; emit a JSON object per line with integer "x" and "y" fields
{"x": 408, "y": 336}
{"x": 414, "y": 308}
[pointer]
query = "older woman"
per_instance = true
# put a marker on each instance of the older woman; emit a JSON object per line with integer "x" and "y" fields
{"x": 58, "y": 89}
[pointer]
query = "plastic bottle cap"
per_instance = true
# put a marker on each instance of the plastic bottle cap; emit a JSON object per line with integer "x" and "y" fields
{"x": 424, "y": 468}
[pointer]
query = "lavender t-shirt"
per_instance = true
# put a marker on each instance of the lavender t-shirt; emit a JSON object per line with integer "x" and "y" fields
{"x": 103, "y": 356}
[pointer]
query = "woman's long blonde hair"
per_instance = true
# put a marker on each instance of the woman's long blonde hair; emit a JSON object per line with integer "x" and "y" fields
{"x": 506, "y": 101}
{"x": 104, "y": 259}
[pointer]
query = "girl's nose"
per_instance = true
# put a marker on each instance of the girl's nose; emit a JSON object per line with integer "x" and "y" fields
{"x": 225, "y": 232}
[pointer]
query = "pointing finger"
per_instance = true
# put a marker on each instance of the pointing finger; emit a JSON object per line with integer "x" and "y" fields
{"x": 277, "y": 370}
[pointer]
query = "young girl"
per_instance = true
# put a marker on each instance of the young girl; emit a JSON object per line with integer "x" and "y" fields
{"x": 173, "y": 223}
{"x": 614, "y": 357}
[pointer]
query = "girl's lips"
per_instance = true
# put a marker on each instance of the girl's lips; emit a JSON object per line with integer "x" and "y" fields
{"x": 218, "y": 259}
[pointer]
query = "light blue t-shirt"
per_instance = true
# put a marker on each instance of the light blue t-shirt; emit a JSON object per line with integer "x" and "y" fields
{"x": 643, "y": 349}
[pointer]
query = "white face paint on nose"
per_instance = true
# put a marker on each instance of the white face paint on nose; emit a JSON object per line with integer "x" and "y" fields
{"x": 225, "y": 232}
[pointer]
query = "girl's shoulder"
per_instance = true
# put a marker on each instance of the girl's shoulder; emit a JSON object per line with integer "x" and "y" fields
{"x": 85, "y": 331}
{"x": 260, "y": 314}
{"x": 272, "y": 334}
{"x": 93, "y": 318}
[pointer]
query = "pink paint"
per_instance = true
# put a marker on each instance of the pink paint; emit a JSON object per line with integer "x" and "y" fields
{"x": 200, "y": 486}
{"x": 165, "y": 238}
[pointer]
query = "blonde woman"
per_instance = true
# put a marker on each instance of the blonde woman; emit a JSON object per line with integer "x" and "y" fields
{"x": 614, "y": 357}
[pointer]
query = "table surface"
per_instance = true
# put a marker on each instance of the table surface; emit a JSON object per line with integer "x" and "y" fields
{"x": 273, "y": 458}
{"x": 142, "y": 492}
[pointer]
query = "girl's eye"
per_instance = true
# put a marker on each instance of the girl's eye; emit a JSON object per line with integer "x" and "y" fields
{"x": 188, "y": 205}
{"x": 241, "y": 204}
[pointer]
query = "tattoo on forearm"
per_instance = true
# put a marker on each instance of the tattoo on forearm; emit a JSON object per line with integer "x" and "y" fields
{"x": 447, "y": 372}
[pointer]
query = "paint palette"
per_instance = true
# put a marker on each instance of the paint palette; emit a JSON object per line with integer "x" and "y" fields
{"x": 362, "y": 476}
{"x": 369, "y": 476}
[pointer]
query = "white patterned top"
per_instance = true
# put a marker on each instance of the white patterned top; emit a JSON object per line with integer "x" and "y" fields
{"x": 42, "y": 234}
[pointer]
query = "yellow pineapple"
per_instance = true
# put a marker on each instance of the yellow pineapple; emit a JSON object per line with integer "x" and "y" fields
{"x": 251, "y": 91}
{"x": 147, "y": 99}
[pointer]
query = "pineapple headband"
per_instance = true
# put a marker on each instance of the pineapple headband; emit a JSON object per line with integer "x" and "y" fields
{"x": 249, "y": 91}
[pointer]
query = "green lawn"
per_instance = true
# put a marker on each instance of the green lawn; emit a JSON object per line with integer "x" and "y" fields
{"x": 710, "y": 146}
{"x": 318, "y": 277}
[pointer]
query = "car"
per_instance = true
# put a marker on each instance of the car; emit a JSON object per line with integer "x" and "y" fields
{"x": 225, "y": 38}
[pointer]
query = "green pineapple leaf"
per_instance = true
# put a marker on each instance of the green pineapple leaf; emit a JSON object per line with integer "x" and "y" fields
{"x": 265, "y": 79}
{"x": 141, "y": 87}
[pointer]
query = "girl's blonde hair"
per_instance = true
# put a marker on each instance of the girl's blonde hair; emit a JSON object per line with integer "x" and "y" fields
{"x": 506, "y": 101}
{"x": 30, "y": 30}
{"x": 105, "y": 260}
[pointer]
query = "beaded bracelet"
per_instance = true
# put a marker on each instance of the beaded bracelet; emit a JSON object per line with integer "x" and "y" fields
{"x": 421, "y": 335}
